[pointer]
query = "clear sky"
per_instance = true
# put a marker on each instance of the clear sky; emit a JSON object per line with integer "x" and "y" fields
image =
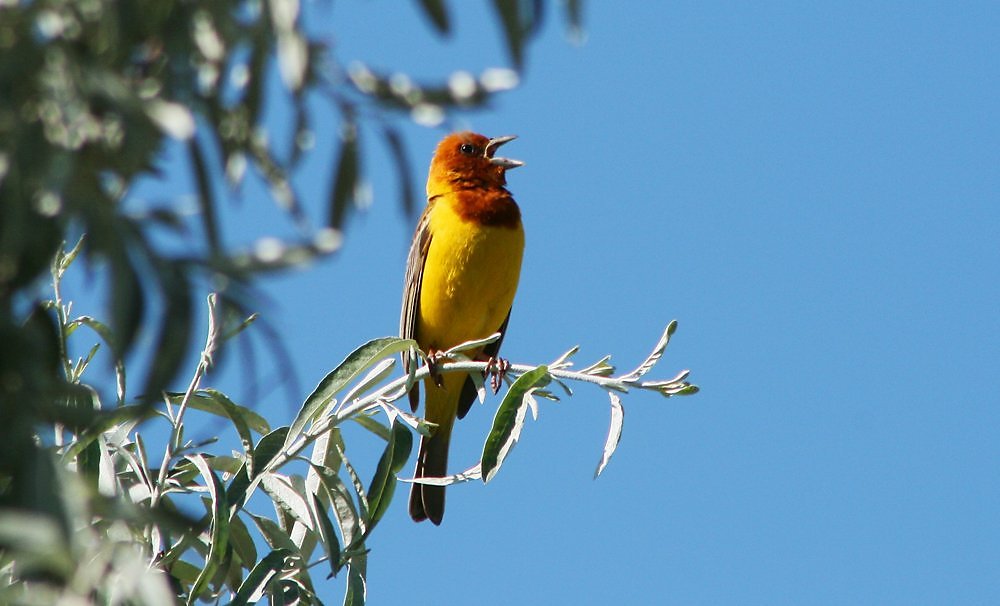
{"x": 812, "y": 191}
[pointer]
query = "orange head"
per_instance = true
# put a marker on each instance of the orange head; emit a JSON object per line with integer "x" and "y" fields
{"x": 466, "y": 159}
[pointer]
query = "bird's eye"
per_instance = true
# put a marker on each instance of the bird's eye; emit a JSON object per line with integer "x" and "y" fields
{"x": 467, "y": 148}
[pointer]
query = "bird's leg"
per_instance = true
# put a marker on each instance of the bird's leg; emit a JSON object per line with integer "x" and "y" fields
{"x": 496, "y": 369}
{"x": 434, "y": 359}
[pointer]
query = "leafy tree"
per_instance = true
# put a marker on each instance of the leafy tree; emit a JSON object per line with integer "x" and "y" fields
{"x": 91, "y": 506}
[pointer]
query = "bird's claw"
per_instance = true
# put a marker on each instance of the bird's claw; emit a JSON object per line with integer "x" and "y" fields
{"x": 434, "y": 360}
{"x": 496, "y": 369}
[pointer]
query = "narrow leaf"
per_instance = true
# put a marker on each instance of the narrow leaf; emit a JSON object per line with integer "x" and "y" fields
{"x": 513, "y": 28}
{"x": 574, "y": 17}
{"x": 383, "y": 484}
{"x": 654, "y": 356}
{"x": 344, "y": 510}
{"x": 243, "y": 483}
{"x": 64, "y": 259}
{"x": 357, "y": 587}
{"x": 345, "y": 183}
{"x": 206, "y": 198}
{"x": 437, "y": 12}
{"x": 381, "y": 371}
{"x": 397, "y": 150}
{"x": 563, "y": 360}
{"x": 242, "y": 542}
{"x": 268, "y": 447}
{"x": 252, "y": 588}
{"x": 474, "y": 344}
{"x": 329, "y": 535}
{"x": 276, "y": 536}
{"x": 220, "y": 526}
{"x": 614, "y": 433}
{"x": 174, "y": 332}
{"x": 127, "y": 302}
{"x": 600, "y": 368}
{"x": 372, "y": 425}
{"x": 217, "y": 403}
{"x": 279, "y": 487}
{"x": 505, "y": 423}
{"x": 473, "y": 473}
{"x": 353, "y": 365}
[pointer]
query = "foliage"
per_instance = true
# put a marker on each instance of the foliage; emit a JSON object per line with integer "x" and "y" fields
{"x": 136, "y": 525}
{"x": 104, "y": 496}
{"x": 93, "y": 93}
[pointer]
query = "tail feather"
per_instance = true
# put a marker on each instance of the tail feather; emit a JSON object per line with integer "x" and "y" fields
{"x": 426, "y": 501}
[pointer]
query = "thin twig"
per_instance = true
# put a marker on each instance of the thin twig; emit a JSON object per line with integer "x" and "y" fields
{"x": 177, "y": 421}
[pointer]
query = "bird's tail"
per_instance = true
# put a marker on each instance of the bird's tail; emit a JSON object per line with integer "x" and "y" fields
{"x": 427, "y": 501}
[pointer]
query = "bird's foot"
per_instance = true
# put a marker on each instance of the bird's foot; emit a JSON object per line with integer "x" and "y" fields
{"x": 496, "y": 369}
{"x": 434, "y": 359}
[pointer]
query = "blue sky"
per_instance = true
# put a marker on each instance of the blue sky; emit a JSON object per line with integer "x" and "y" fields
{"x": 812, "y": 192}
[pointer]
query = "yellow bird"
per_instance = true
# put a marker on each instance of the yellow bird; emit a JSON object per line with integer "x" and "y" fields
{"x": 461, "y": 276}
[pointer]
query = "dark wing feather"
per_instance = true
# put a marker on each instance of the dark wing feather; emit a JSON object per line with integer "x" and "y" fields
{"x": 411, "y": 290}
{"x": 469, "y": 388}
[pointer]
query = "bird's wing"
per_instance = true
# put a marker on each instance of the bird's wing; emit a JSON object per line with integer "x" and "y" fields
{"x": 469, "y": 388}
{"x": 411, "y": 289}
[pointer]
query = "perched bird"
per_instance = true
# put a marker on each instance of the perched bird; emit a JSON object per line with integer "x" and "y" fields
{"x": 461, "y": 275}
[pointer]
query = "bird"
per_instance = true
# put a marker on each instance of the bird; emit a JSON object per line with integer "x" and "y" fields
{"x": 462, "y": 272}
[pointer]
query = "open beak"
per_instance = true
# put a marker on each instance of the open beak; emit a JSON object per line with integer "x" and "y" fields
{"x": 491, "y": 148}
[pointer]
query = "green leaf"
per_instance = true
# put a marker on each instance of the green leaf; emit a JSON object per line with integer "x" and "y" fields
{"x": 220, "y": 526}
{"x": 269, "y": 447}
{"x": 243, "y": 483}
{"x": 508, "y": 418}
{"x": 383, "y": 484}
{"x": 614, "y": 433}
{"x": 242, "y": 542}
{"x": 353, "y": 365}
{"x": 329, "y": 535}
{"x": 357, "y": 587}
{"x": 475, "y": 344}
{"x": 174, "y": 332}
{"x": 373, "y": 378}
{"x": 206, "y": 198}
{"x": 518, "y": 18}
{"x": 36, "y": 542}
{"x": 372, "y": 425}
{"x": 217, "y": 403}
{"x": 89, "y": 461}
{"x": 287, "y": 497}
{"x": 105, "y": 421}
{"x": 563, "y": 361}
{"x": 437, "y": 12}
{"x": 226, "y": 464}
{"x": 236, "y": 492}
{"x": 600, "y": 368}
{"x": 654, "y": 356}
{"x": 344, "y": 510}
{"x": 689, "y": 390}
{"x": 574, "y": 18}
{"x": 252, "y": 588}
{"x": 345, "y": 184}
{"x": 243, "y": 324}
{"x": 275, "y": 535}
{"x": 324, "y": 459}
{"x": 184, "y": 572}
{"x": 127, "y": 302}
{"x": 64, "y": 259}
{"x": 397, "y": 150}
{"x": 358, "y": 485}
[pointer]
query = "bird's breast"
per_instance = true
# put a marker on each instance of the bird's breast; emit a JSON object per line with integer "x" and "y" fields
{"x": 471, "y": 271}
